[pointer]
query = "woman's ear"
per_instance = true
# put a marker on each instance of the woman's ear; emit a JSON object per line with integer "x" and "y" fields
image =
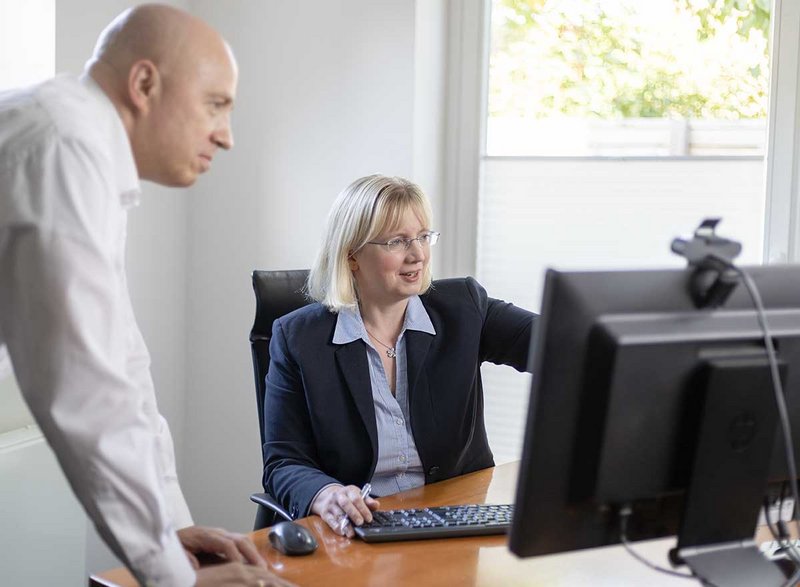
{"x": 143, "y": 84}
{"x": 352, "y": 263}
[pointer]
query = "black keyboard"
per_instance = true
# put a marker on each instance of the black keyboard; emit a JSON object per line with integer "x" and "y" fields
{"x": 438, "y": 522}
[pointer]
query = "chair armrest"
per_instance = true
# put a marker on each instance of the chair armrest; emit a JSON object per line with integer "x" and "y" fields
{"x": 266, "y": 500}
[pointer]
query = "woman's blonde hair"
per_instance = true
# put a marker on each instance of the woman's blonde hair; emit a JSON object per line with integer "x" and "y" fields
{"x": 363, "y": 210}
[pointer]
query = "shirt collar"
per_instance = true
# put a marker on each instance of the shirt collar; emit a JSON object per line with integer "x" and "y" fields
{"x": 125, "y": 172}
{"x": 417, "y": 317}
{"x": 350, "y": 326}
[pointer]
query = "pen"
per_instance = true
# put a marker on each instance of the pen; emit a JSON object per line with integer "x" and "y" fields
{"x": 345, "y": 521}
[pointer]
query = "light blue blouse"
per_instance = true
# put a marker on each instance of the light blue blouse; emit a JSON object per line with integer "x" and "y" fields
{"x": 399, "y": 467}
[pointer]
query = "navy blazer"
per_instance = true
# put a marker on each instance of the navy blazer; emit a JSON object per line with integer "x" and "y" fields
{"x": 319, "y": 416}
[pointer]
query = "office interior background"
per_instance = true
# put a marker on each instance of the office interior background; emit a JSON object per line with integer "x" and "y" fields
{"x": 333, "y": 90}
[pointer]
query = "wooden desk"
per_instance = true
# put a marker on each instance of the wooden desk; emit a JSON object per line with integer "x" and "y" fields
{"x": 480, "y": 561}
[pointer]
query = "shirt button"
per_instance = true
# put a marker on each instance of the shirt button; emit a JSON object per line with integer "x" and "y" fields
{"x": 402, "y": 458}
{"x": 399, "y": 421}
{"x": 401, "y": 475}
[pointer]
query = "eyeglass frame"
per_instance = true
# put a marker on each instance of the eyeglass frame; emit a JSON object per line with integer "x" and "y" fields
{"x": 431, "y": 235}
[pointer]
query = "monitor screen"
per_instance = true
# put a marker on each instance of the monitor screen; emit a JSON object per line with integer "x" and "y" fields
{"x": 639, "y": 400}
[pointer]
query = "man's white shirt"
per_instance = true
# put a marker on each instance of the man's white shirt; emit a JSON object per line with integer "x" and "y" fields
{"x": 67, "y": 179}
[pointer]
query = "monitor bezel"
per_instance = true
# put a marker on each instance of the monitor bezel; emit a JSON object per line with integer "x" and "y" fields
{"x": 548, "y": 518}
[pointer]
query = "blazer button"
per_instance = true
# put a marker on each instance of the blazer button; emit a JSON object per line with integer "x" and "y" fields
{"x": 433, "y": 470}
{"x": 295, "y": 511}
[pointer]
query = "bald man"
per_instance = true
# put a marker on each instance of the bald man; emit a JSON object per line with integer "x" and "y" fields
{"x": 155, "y": 104}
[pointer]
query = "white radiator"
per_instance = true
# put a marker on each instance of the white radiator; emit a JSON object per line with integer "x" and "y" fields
{"x": 42, "y": 526}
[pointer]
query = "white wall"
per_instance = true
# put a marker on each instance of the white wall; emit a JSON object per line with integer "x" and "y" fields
{"x": 430, "y": 97}
{"x": 40, "y": 519}
{"x": 326, "y": 95}
{"x": 329, "y": 91}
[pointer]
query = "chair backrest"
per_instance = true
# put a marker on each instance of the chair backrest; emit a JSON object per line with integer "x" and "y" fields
{"x": 277, "y": 294}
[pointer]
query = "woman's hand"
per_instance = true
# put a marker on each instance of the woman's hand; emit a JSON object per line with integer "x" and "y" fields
{"x": 337, "y": 503}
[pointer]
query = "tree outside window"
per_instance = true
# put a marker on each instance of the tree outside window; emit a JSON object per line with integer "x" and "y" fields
{"x": 623, "y": 77}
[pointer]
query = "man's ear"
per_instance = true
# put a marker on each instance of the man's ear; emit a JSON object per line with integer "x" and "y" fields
{"x": 144, "y": 82}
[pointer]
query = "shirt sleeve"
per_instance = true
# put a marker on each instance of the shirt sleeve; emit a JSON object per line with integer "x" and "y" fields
{"x": 64, "y": 315}
{"x": 292, "y": 473}
{"x": 138, "y": 368}
{"x": 507, "y": 330}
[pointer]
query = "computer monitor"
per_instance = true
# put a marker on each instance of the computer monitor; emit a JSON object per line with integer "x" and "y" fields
{"x": 640, "y": 399}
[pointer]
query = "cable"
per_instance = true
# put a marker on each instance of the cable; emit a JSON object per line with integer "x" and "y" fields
{"x": 707, "y": 252}
{"x": 780, "y": 401}
{"x": 779, "y": 534}
{"x": 777, "y": 387}
{"x": 784, "y": 488}
{"x": 624, "y": 514}
{"x": 776, "y": 534}
{"x": 783, "y": 531}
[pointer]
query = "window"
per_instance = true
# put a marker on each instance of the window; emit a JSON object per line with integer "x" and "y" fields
{"x": 620, "y": 77}
{"x": 613, "y": 126}
{"x": 27, "y": 42}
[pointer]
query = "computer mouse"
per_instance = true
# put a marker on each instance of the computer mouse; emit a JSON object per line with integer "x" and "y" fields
{"x": 292, "y": 539}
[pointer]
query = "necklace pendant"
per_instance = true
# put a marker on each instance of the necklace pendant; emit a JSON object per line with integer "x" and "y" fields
{"x": 390, "y": 352}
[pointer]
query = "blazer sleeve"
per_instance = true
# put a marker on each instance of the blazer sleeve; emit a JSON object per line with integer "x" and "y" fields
{"x": 292, "y": 473}
{"x": 507, "y": 330}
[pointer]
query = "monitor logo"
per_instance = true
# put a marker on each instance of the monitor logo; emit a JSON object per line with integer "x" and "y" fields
{"x": 742, "y": 431}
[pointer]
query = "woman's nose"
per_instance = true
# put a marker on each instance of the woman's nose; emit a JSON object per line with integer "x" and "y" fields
{"x": 415, "y": 249}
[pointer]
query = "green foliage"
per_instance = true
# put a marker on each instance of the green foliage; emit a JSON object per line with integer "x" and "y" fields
{"x": 695, "y": 58}
{"x": 748, "y": 14}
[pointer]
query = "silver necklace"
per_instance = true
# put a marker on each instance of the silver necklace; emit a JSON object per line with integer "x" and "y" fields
{"x": 390, "y": 350}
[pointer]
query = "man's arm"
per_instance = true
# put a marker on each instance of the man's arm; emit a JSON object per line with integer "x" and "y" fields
{"x": 62, "y": 315}
{"x": 63, "y": 325}
{"x": 138, "y": 368}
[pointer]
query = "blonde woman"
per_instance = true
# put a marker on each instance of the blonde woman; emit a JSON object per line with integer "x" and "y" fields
{"x": 379, "y": 380}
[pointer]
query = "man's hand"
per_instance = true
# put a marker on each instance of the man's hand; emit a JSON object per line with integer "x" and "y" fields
{"x": 337, "y": 502}
{"x": 199, "y": 540}
{"x": 238, "y": 575}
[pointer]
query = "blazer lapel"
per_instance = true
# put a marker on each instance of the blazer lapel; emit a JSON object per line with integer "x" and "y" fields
{"x": 417, "y": 345}
{"x": 352, "y": 360}
{"x": 423, "y": 416}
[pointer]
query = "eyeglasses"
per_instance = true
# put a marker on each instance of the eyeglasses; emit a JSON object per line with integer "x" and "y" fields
{"x": 400, "y": 243}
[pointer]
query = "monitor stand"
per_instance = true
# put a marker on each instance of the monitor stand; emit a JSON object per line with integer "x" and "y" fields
{"x": 729, "y": 476}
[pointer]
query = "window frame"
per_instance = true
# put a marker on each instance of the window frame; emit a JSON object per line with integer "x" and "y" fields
{"x": 465, "y": 135}
{"x": 782, "y": 217}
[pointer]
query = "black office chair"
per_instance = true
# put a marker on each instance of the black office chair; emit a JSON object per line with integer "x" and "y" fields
{"x": 277, "y": 293}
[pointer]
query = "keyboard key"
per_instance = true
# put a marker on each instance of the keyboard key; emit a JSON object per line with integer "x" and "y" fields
{"x": 438, "y": 522}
